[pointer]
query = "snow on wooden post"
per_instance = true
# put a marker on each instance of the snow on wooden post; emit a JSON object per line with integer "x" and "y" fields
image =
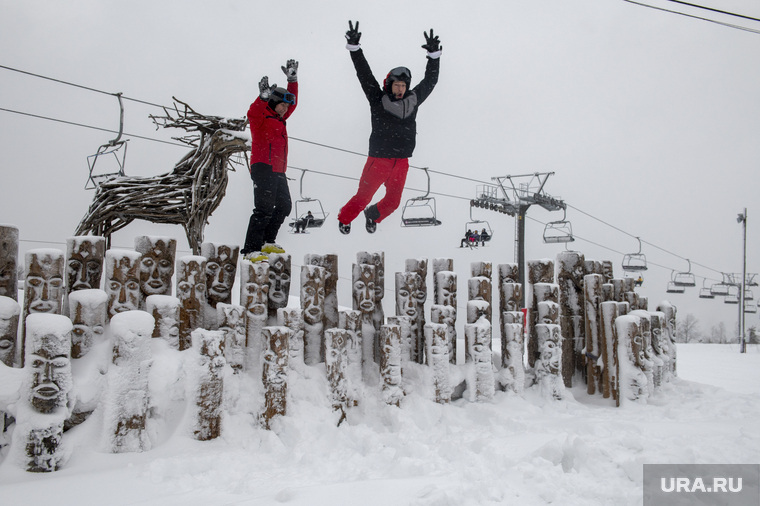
{"x": 506, "y": 273}
{"x": 330, "y": 264}
{"x": 165, "y": 310}
{"x": 9, "y": 261}
{"x": 221, "y": 269}
{"x": 275, "y": 372}
{"x": 292, "y": 318}
{"x": 122, "y": 283}
{"x": 419, "y": 265}
{"x": 336, "y": 364}
{"x": 439, "y": 265}
{"x": 313, "y": 311}
{"x": 512, "y": 347}
{"x": 669, "y": 331}
{"x": 478, "y": 338}
{"x": 87, "y": 311}
{"x": 125, "y": 400}
{"x": 280, "y": 275}
{"x": 363, "y": 291}
{"x": 608, "y": 292}
{"x": 541, "y": 292}
{"x": 436, "y": 342}
{"x": 607, "y": 271}
{"x": 649, "y": 360}
{"x": 592, "y": 295}
{"x": 476, "y": 309}
{"x": 571, "y": 267}
{"x": 407, "y": 304}
{"x": 43, "y": 286}
{"x": 48, "y": 383}
{"x": 549, "y": 362}
{"x": 390, "y": 364}
{"x": 254, "y": 297}
{"x": 660, "y": 344}
{"x": 539, "y": 271}
{"x": 631, "y": 378}
{"x": 609, "y": 340}
{"x": 446, "y": 295}
{"x": 84, "y": 263}
{"x": 191, "y": 292}
{"x": 618, "y": 288}
{"x": 405, "y": 324}
{"x": 9, "y": 316}
{"x": 351, "y": 321}
{"x": 157, "y": 256}
{"x": 446, "y": 315}
{"x": 231, "y": 318}
{"x": 209, "y": 391}
{"x": 378, "y": 260}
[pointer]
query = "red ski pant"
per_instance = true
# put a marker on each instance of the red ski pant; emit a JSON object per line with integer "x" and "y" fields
{"x": 390, "y": 172}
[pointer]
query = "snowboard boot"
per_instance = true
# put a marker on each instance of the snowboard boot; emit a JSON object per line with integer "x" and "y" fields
{"x": 345, "y": 228}
{"x": 271, "y": 247}
{"x": 255, "y": 257}
{"x": 371, "y": 214}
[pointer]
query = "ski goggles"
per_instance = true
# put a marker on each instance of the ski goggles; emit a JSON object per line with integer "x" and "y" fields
{"x": 283, "y": 96}
{"x": 400, "y": 74}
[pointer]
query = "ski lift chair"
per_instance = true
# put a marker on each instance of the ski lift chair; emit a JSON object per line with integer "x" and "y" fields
{"x": 479, "y": 226}
{"x": 732, "y": 297}
{"x": 560, "y": 231}
{"x": 420, "y": 211}
{"x": 685, "y": 279}
{"x": 635, "y": 262}
{"x": 719, "y": 289}
{"x": 705, "y": 292}
{"x": 748, "y": 295}
{"x": 116, "y": 148}
{"x": 673, "y": 287}
{"x": 750, "y": 308}
{"x": 303, "y": 205}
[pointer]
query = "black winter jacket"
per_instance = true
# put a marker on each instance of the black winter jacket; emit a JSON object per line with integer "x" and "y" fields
{"x": 393, "y": 136}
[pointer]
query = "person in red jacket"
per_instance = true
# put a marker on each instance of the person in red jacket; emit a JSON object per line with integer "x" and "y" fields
{"x": 269, "y": 159}
{"x": 393, "y": 111}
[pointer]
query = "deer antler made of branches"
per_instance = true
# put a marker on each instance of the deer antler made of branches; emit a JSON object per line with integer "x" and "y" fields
{"x": 185, "y": 117}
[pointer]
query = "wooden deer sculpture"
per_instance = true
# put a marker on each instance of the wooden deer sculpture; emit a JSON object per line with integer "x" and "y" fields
{"x": 186, "y": 196}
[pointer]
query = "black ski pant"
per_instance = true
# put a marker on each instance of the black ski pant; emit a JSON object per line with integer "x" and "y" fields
{"x": 272, "y": 204}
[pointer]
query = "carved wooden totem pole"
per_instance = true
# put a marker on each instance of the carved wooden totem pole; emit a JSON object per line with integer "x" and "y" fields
{"x": 513, "y": 345}
{"x": 336, "y": 364}
{"x": 608, "y": 333}
{"x": 390, "y": 364}
{"x": 446, "y": 295}
{"x": 221, "y": 268}
{"x": 231, "y": 318}
{"x": 330, "y": 264}
{"x": 9, "y": 316}
{"x": 279, "y": 284}
{"x": 539, "y": 271}
{"x": 122, "y": 283}
{"x": 438, "y": 360}
{"x": 209, "y": 391}
{"x": 363, "y": 291}
{"x": 9, "y": 261}
{"x": 254, "y": 297}
{"x": 478, "y": 338}
{"x": 631, "y": 378}
{"x": 570, "y": 271}
{"x": 407, "y": 304}
{"x": 351, "y": 322}
{"x": 419, "y": 265}
{"x": 292, "y": 318}
{"x": 313, "y": 310}
{"x": 669, "y": 331}
{"x": 84, "y": 263}
{"x": 191, "y": 292}
{"x": 275, "y": 373}
{"x": 165, "y": 310}
{"x": 87, "y": 311}
{"x": 156, "y": 269}
{"x": 378, "y": 261}
{"x": 592, "y": 295}
{"x": 43, "y": 286}
{"x": 549, "y": 361}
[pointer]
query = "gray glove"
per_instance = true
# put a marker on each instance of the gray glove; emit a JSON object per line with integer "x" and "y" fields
{"x": 264, "y": 89}
{"x": 291, "y": 71}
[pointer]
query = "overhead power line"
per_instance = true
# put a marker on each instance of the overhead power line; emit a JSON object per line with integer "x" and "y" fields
{"x": 730, "y": 25}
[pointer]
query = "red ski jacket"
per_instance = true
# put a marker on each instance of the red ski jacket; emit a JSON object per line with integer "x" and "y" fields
{"x": 269, "y": 135}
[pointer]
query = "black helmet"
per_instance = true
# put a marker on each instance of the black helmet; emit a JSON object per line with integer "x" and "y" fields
{"x": 281, "y": 95}
{"x": 397, "y": 74}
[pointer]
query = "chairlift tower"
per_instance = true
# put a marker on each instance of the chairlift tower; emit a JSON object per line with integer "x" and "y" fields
{"x": 513, "y": 195}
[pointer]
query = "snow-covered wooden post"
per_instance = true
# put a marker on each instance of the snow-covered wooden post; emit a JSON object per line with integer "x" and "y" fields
{"x": 649, "y": 363}
{"x": 43, "y": 286}
{"x": 631, "y": 377}
{"x": 191, "y": 292}
{"x": 549, "y": 362}
{"x": 571, "y": 267}
{"x": 221, "y": 268}
{"x": 280, "y": 275}
{"x": 122, "y": 283}
{"x": 275, "y": 372}
{"x": 669, "y": 331}
{"x": 512, "y": 347}
{"x": 506, "y": 273}
{"x": 125, "y": 401}
{"x": 478, "y": 338}
{"x": 378, "y": 261}
{"x": 351, "y": 321}
{"x": 446, "y": 295}
{"x": 609, "y": 339}
{"x": 660, "y": 344}
{"x": 479, "y": 296}
{"x": 231, "y": 318}
{"x": 539, "y": 271}
{"x": 87, "y": 311}
{"x": 543, "y": 313}
{"x": 336, "y": 364}
{"x": 9, "y": 315}
{"x": 254, "y": 297}
{"x": 405, "y": 324}
{"x": 330, "y": 264}
{"x": 445, "y": 315}
{"x": 436, "y": 340}
{"x": 157, "y": 256}
{"x": 618, "y": 287}
{"x": 658, "y": 357}
{"x": 313, "y": 310}
{"x": 209, "y": 391}
{"x": 9, "y": 261}
{"x": 607, "y": 271}
{"x": 84, "y": 263}
{"x": 407, "y": 304}
{"x": 390, "y": 364}
{"x": 419, "y": 265}
{"x": 363, "y": 291}
{"x": 165, "y": 310}
{"x": 592, "y": 295}
{"x": 608, "y": 292}
{"x": 292, "y": 318}
{"x": 39, "y": 422}
{"x": 439, "y": 265}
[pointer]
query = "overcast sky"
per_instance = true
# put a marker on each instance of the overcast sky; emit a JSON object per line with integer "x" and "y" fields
{"x": 649, "y": 120}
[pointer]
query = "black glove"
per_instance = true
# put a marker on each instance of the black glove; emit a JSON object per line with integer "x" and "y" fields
{"x": 291, "y": 71}
{"x": 432, "y": 44}
{"x": 264, "y": 89}
{"x": 353, "y": 34}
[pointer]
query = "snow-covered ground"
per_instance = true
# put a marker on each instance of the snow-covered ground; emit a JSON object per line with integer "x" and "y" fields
{"x": 516, "y": 450}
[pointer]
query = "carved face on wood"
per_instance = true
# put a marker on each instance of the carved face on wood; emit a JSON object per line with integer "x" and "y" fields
{"x": 122, "y": 285}
{"x": 44, "y": 283}
{"x": 167, "y": 323}
{"x": 447, "y": 286}
{"x": 550, "y": 350}
{"x": 254, "y": 290}
{"x": 50, "y": 369}
{"x": 313, "y": 295}
{"x": 157, "y": 266}
{"x": 191, "y": 286}
{"x": 439, "y": 345}
{"x": 276, "y": 361}
{"x": 364, "y": 287}
{"x": 279, "y": 281}
{"x": 89, "y": 323}
{"x": 512, "y": 295}
{"x": 407, "y": 284}
{"x": 8, "y": 330}
{"x": 221, "y": 266}
{"x": 84, "y": 266}
{"x": 378, "y": 261}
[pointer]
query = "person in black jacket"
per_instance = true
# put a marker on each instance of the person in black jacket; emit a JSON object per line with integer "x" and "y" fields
{"x": 393, "y": 110}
